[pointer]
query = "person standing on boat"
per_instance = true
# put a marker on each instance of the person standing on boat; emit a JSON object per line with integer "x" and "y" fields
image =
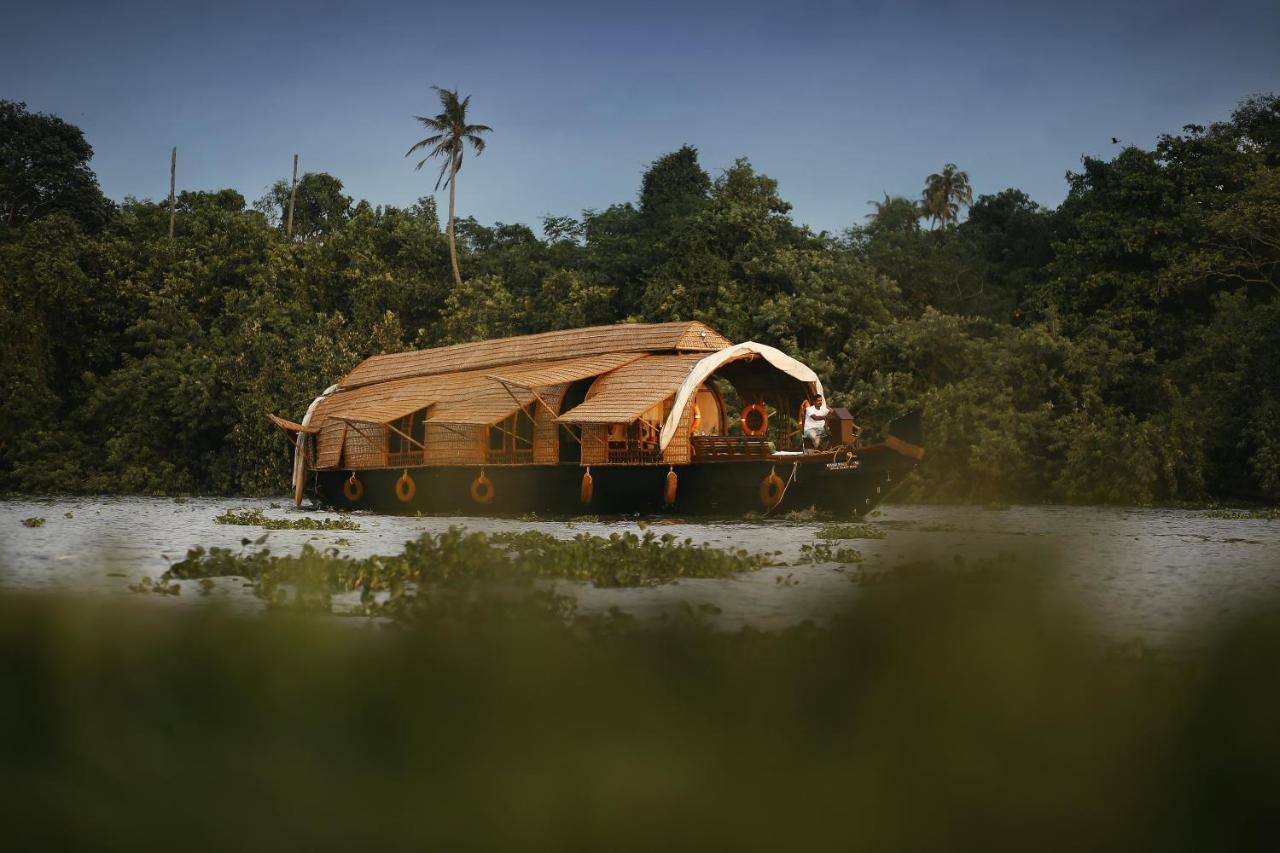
{"x": 815, "y": 422}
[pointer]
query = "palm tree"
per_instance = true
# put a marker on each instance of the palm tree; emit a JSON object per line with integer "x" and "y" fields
{"x": 944, "y": 193}
{"x": 450, "y": 133}
{"x": 895, "y": 213}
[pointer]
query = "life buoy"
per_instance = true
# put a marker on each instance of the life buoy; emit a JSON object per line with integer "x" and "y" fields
{"x": 804, "y": 408}
{"x": 697, "y": 417}
{"x": 406, "y": 488}
{"x": 584, "y": 494}
{"x": 669, "y": 492}
{"x": 754, "y": 408}
{"x": 772, "y": 489}
{"x": 353, "y": 488}
{"x": 482, "y": 489}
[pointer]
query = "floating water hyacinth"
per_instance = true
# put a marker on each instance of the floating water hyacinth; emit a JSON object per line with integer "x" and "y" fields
{"x": 256, "y": 517}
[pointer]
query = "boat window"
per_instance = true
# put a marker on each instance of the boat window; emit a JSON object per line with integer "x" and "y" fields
{"x": 511, "y": 440}
{"x": 405, "y": 439}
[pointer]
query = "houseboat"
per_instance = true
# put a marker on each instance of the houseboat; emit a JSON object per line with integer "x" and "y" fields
{"x": 631, "y": 418}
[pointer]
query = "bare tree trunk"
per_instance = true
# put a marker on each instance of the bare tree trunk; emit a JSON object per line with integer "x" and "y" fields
{"x": 293, "y": 194}
{"x": 453, "y": 249}
{"x": 173, "y": 182}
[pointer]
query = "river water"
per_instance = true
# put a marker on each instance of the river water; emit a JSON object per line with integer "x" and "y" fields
{"x": 1149, "y": 573}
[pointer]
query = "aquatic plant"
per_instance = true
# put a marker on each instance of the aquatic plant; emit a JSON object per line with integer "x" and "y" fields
{"x": 160, "y": 587}
{"x": 1270, "y": 514}
{"x": 826, "y": 552}
{"x": 33, "y": 522}
{"x": 256, "y": 518}
{"x": 464, "y": 567}
{"x": 850, "y": 531}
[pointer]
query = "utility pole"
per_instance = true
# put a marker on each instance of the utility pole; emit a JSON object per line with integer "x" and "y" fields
{"x": 173, "y": 182}
{"x": 293, "y": 193}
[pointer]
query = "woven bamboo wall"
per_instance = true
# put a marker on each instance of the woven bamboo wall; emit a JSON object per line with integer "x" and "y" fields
{"x": 365, "y": 446}
{"x": 546, "y": 432}
{"x": 456, "y": 444}
{"x": 329, "y": 444}
{"x": 595, "y": 444}
{"x": 680, "y": 450}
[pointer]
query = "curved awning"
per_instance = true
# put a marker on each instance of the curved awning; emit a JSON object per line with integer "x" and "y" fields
{"x": 628, "y": 392}
{"x": 709, "y": 365}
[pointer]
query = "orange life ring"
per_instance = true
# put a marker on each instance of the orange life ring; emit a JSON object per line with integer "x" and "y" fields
{"x": 584, "y": 494}
{"x": 353, "y": 488}
{"x": 482, "y": 489}
{"x": 669, "y": 493}
{"x": 697, "y": 417}
{"x": 406, "y": 488}
{"x": 756, "y": 408}
{"x": 771, "y": 490}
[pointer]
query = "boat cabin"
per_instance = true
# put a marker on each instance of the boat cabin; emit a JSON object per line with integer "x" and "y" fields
{"x": 632, "y": 394}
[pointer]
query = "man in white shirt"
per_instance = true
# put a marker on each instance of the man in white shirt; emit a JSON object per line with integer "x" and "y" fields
{"x": 815, "y": 422}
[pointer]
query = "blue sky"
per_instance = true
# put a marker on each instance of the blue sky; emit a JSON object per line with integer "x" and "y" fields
{"x": 840, "y": 102}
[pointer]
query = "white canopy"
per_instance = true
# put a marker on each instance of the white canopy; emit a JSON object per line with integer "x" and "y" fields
{"x": 709, "y": 365}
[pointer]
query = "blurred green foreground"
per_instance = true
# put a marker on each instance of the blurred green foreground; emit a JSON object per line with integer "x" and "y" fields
{"x": 943, "y": 712}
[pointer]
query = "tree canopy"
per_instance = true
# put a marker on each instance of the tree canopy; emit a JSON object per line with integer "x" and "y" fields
{"x": 1119, "y": 348}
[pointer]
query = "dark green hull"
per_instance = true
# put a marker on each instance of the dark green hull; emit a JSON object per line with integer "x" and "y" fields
{"x": 730, "y": 488}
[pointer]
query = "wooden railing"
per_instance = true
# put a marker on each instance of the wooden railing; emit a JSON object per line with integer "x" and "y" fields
{"x": 730, "y": 446}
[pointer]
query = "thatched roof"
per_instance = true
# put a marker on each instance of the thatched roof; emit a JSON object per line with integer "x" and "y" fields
{"x": 630, "y": 391}
{"x": 544, "y": 374}
{"x": 679, "y": 337}
{"x": 468, "y": 397}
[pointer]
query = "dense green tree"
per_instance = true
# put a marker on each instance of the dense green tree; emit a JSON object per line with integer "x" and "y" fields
{"x": 450, "y": 135}
{"x": 44, "y": 170}
{"x": 319, "y": 204}
{"x": 894, "y": 214}
{"x": 673, "y": 187}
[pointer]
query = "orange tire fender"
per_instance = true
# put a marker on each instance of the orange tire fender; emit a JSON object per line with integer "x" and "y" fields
{"x": 406, "y": 488}
{"x": 669, "y": 492}
{"x": 587, "y": 489}
{"x": 482, "y": 490}
{"x": 772, "y": 488}
{"x": 353, "y": 488}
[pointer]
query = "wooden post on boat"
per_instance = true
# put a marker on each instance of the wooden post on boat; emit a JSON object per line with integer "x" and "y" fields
{"x": 173, "y": 182}
{"x": 293, "y": 194}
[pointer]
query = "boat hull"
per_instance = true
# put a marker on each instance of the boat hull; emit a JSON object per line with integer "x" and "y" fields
{"x": 730, "y": 488}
